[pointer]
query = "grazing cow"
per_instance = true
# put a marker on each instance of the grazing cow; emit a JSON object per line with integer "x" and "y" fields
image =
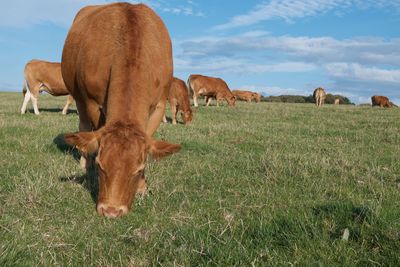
{"x": 337, "y": 101}
{"x": 41, "y": 76}
{"x": 179, "y": 101}
{"x": 117, "y": 63}
{"x": 257, "y": 97}
{"x": 246, "y": 95}
{"x": 382, "y": 101}
{"x": 319, "y": 96}
{"x": 210, "y": 87}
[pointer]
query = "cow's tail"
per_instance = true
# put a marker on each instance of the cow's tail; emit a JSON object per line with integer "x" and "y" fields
{"x": 189, "y": 83}
{"x": 26, "y": 88}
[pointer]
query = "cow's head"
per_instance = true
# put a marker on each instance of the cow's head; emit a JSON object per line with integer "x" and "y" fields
{"x": 121, "y": 156}
{"x": 187, "y": 116}
{"x": 231, "y": 100}
{"x": 257, "y": 97}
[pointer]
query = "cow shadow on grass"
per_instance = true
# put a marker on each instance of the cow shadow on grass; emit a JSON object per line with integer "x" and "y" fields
{"x": 54, "y": 110}
{"x": 169, "y": 120}
{"x": 345, "y": 214}
{"x": 59, "y": 141}
{"x": 88, "y": 180}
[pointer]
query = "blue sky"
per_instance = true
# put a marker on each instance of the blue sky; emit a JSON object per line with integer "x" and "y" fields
{"x": 349, "y": 47}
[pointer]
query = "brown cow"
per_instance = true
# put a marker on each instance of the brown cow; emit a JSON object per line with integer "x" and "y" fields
{"x": 319, "y": 96}
{"x": 257, "y": 97}
{"x": 117, "y": 63}
{"x": 41, "y": 76}
{"x": 382, "y": 101}
{"x": 246, "y": 95}
{"x": 210, "y": 87}
{"x": 179, "y": 101}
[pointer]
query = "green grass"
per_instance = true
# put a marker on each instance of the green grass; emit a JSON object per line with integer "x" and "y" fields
{"x": 264, "y": 184}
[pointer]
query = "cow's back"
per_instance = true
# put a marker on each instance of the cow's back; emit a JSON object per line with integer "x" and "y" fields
{"x": 242, "y": 94}
{"x": 46, "y": 73}
{"x": 206, "y": 85}
{"x": 382, "y": 101}
{"x": 319, "y": 93}
{"x": 114, "y": 50}
{"x": 179, "y": 91}
{"x": 199, "y": 84}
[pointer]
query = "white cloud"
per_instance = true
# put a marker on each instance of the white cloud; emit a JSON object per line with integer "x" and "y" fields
{"x": 22, "y": 13}
{"x": 356, "y": 72}
{"x": 356, "y": 67}
{"x": 290, "y": 10}
{"x": 313, "y": 49}
{"x": 275, "y": 90}
{"x": 223, "y": 65}
{"x": 187, "y": 11}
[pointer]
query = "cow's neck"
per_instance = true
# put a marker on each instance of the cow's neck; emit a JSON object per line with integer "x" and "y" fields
{"x": 128, "y": 107}
{"x": 185, "y": 105}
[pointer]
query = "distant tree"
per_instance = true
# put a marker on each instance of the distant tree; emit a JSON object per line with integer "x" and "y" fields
{"x": 330, "y": 99}
{"x": 344, "y": 100}
{"x": 309, "y": 99}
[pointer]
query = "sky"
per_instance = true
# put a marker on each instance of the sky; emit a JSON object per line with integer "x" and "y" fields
{"x": 349, "y": 47}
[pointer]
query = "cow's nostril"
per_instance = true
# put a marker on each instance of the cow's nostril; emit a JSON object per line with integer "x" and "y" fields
{"x": 110, "y": 211}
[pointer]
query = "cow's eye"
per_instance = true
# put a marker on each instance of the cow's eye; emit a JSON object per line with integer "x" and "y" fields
{"x": 137, "y": 173}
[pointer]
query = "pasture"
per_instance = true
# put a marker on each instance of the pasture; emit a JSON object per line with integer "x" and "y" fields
{"x": 266, "y": 184}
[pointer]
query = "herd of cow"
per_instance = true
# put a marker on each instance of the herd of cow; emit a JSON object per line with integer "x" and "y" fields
{"x": 46, "y": 76}
{"x": 377, "y": 100}
{"x": 117, "y": 65}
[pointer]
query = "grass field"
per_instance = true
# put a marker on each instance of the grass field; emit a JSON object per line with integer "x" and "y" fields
{"x": 256, "y": 185}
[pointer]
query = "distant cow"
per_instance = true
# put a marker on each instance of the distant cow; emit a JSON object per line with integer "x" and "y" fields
{"x": 257, "y": 97}
{"x": 117, "y": 63}
{"x": 246, "y": 95}
{"x": 209, "y": 87}
{"x": 319, "y": 96}
{"x": 41, "y": 76}
{"x": 178, "y": 99}
{"x": 382, "y": 101}
{"x": 337, "y": 101}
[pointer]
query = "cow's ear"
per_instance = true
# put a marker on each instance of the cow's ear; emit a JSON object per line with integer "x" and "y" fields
{"x": 160, "y": 149}
{"x": 85, "y": 142}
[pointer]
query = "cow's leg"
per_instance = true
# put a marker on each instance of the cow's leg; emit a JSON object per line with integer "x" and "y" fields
{"x": 218, "y": 99}
{"x": 164, "y": 119}
{"x": 70, "y": 99}
{"x": 26, "y": 100}
{"x": 195, "y": 99}
{"x": 174, "y": 112}
{"x": 88, "y": 119}
{"x": 84, "y": 126}
{"x": 208, "y": 100}
{"x": 34, "y": 99}
{"x": 155, "y": 118}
